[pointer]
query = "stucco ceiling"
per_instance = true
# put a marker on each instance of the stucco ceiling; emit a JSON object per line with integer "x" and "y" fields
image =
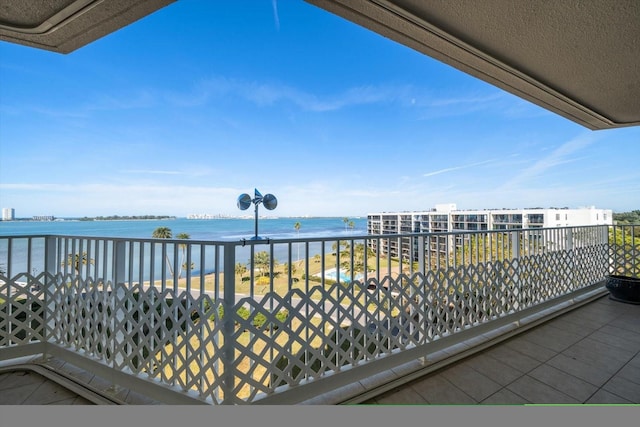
{"x": 578, "y": 58}
{"x": 66, "y": 25}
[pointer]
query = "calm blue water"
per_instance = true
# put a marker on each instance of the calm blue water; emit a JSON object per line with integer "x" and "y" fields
{"x": 345, "y": 277}
{"x": 214, "y": 229}
{"x": 204, "y": 230}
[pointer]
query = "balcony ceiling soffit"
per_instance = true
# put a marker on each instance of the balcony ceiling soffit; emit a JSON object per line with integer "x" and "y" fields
{"x": 579, "y": 59}
{"x": 65, "y": 25}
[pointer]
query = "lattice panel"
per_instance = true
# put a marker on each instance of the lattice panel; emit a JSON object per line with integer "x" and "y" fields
{"x": 288, "y": 340}
{"x": 22, "y": 309}
{"x": 79, "y": 313}
{"x": 143, "y": 331}
{"x": 625, "y": 259}
{"x": 407, "y": 312}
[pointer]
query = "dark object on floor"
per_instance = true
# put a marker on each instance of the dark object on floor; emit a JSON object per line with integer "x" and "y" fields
{"x": 624, "y": 288}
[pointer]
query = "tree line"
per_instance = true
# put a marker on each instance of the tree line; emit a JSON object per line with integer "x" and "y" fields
{"x": 125, "y": 217}
{"x": 622, "y": 218}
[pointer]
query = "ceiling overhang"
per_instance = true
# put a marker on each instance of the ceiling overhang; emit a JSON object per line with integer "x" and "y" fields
{"x": 65, "y": 25}
{"x": 579, "y": 59}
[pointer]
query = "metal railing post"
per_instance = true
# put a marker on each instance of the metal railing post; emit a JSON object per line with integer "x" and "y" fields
{"x": 50, "y": 270}
{"x": 421, "y": 255}
{"x": 119, "y": 261}
{"x": 228, "y": 324}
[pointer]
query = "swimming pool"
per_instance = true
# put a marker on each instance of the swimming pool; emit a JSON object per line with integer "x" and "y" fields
{"x": 344, "y": 277}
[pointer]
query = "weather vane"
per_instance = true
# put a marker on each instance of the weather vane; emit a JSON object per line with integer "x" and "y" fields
{"x": 268, "y": 200}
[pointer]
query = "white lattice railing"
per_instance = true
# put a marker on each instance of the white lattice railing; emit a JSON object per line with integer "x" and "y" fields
{"x": 226, "y": 331}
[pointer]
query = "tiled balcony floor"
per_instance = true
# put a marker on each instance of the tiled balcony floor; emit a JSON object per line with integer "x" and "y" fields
{"x": 30, "y": 388}
{"x": 27, "y": 387}
{"x": 589, "y": 355}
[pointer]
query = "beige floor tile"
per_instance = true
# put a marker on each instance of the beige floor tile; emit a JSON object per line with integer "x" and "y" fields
{"x": 492, "y": 368}
{"x": 537, "y": 392}
{"x": 624, "y": 388}
{"x": 403, "y": 396}
{"x": 513, "y": 358}
{"x": 504, "y": 397}
{"x": 48, "y": 392}
{"x": 437, "y": 390}
{"x": 472, "y": 382}
{"x": 568, "y": 384}
{"x": 604, "y": 397}
{"x": 18, "y": 394}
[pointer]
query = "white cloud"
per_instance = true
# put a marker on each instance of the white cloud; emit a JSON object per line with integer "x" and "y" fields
{"x": 276, "y": 17}
{"x": 557, "y": 157}
{"x": 151, "y": 172}
{"x": 455, "y": 168}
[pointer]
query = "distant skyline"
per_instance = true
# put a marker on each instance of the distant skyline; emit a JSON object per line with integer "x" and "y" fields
{"x": 184, "y": 110}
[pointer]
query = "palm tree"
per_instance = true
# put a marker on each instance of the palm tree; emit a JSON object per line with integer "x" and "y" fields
{"x": 240, "y": 269}
{"x": 343, "y": 245}
{"x": 77, "y": 260}
{"x": 352, "y": 225}
{"x": 262, "y": 261}
{"x": 346, "y": 221}
{"x": 183, "y": 249}
{"x": 163, "y": 233}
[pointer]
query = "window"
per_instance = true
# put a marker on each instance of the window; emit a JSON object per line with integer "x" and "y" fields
{"x": 557, "y": 217}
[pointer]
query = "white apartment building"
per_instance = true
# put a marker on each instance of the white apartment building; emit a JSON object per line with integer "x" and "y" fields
{"x": 447, "y": 218}
{"x": 8, "y": 214}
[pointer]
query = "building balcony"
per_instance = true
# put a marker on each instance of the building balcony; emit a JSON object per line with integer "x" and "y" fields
{"x": 490, "y": 317}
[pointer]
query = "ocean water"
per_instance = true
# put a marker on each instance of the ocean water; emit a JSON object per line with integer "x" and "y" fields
{"x": 198, "y": 229}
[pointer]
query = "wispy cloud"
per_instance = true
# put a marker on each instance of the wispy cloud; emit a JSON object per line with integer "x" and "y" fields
{"x": 151, "y": 172}
{"x": 269, "y": 93}
{"x": 472, "y": 100}
{"x": 276, "y": 17}
{"x": 564, "y": 154}
{"x": 455, "y": 168}
{"x": 95, "y": 102}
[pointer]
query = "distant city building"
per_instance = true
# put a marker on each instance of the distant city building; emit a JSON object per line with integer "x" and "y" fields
{"x": 447, "y": 218}
{"x": 8, "y": 214}
{"x": 207, "y": 216}
{"x": 43, "y": 218}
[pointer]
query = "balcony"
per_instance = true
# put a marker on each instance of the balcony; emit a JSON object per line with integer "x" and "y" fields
{"x": 324, "y": 320}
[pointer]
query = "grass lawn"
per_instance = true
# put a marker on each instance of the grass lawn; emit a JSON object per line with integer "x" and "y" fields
{"x": 281, "y": 285}
{"x": 251, "y": 356}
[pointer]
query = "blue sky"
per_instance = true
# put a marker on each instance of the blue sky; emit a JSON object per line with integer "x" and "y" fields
{"x": 191, "y": 106}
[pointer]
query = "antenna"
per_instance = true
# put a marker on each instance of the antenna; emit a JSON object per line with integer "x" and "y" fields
{"x": 268, "y": 200}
